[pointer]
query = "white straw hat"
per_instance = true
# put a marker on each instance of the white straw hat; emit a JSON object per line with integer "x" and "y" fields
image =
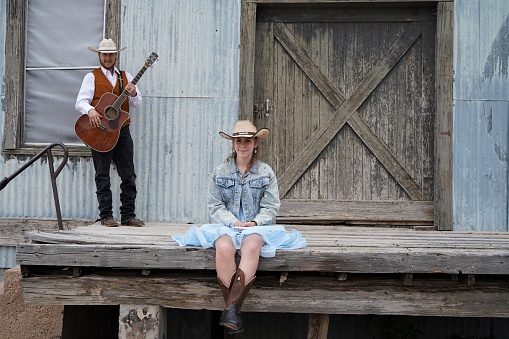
{"x": 246, "y": 129}
{"x": 106, "y": 46}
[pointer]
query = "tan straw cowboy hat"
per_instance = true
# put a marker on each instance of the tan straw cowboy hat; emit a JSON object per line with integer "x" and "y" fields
{"x": 246, "y": 129}
{"x": 106, "y": 46}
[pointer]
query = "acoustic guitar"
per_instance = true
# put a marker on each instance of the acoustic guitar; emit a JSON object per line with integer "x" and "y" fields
{"x": 105, "y": 137}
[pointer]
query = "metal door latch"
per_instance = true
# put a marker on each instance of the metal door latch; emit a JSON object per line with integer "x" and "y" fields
{"x": 260, "y": 109}
{"x": 267, "y": 107}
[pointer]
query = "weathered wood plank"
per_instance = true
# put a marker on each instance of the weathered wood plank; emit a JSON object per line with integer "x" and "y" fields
{"x": 384, "y": 155}
{"x": 321, "y": 259}
{"x": 427, "y": 117}
{"x": 247, "y": 54}
{"x": 306, "y": 13}
{"x": 317, "y": 240}
{"x": 318, "y": 326}
{"x": 340, "y": 1}
{"x": 348, "y": 106}
{"x": 112, "y": 25}
{"x": 299, "y": 294}
{"x": 14, "y": 72}
{"x": 330, "y": 249}
{"x": 444, "y": 81}
{"x": 338, "y": 210}
{"x": 159, "y": 235}
{"x": 12, "y": 231}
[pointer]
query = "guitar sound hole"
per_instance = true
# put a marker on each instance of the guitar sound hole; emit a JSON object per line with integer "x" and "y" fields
{"x": 110, "y": 113}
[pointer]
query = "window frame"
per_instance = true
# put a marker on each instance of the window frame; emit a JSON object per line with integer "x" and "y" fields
{"x": 15, "y": 75}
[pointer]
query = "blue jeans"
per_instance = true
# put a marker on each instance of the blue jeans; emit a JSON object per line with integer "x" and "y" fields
{"x": 122, "y": 155}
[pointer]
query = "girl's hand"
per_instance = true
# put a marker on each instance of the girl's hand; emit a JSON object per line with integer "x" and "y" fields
{"x": 248, "y": 223}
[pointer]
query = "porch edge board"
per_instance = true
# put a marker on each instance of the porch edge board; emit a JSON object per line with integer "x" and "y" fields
{"x": 297, "y": 294}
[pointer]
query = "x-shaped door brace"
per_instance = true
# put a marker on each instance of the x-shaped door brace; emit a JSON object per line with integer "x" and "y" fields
{"x": 346, "y": 110}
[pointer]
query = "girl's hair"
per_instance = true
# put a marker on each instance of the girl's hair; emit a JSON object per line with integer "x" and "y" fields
{"x": 256, "y": 154}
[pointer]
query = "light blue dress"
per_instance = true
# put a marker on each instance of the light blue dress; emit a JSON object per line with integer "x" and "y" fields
{"x": 275, "y": 237}
{"x": 253, "y": 196}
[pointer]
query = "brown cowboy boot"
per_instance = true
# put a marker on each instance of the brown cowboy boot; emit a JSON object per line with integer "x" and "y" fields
{"x": 226, "y": 290}
{"x": 226, "y": 293}
{"x": 238, "y": 291}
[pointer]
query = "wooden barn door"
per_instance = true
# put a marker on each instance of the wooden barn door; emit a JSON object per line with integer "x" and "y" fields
{"x": 349, "y": 95}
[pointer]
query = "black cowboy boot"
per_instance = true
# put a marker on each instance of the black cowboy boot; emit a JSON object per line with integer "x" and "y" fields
{"x": 231, "y": 314}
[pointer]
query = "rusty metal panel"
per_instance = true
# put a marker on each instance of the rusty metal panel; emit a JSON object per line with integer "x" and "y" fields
{"x": 481, "y": 110}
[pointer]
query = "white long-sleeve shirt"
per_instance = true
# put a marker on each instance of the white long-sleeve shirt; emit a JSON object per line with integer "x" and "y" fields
{"x": 86, "y": 93}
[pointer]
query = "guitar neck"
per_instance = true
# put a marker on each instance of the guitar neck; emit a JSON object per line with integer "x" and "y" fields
{"x": 116, "y": 105}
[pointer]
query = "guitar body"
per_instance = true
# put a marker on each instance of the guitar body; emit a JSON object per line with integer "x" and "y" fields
{"x": 104, "y": 138}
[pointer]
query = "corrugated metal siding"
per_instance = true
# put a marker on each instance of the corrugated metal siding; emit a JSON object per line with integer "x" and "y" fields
{"x": 190, "y": 94}
{"x": 7, "y": 259}
{"x": 481, "y": 110}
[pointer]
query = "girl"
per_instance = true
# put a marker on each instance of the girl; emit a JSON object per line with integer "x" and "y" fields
{"x": 244, "y": 200}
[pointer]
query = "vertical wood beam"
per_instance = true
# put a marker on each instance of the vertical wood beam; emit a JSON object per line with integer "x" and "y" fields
{"x": 142, "y": 321}
{"x": 113, "y": 22}
{"x": 318, "y": 326}
{"x": 407, "y": 279}
{"x": 14, "y": 70}
{"x": 444, "y": 91}
{"x": 247, "y": 59}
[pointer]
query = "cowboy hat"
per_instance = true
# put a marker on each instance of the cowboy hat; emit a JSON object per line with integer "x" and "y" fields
{"x": 246, "y": 129}
{"x": 106, "y": 46}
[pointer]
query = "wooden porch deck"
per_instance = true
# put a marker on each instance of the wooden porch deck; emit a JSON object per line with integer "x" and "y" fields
{"x": 343, "y": 270}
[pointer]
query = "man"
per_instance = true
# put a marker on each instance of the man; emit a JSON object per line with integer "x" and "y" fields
{"x": 108, "y": 78}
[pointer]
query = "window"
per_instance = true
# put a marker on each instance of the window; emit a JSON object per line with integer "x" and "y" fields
{"x": 46, "y": 58}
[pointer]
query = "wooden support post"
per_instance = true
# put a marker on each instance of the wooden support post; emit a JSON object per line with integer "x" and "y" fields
{"x": 471, "y": 280}
{"x": 76, "y": 271}
{"x": 318, "y": 326}
{"x": 142, "y": 321}
{"x": 283, "y": 277}
{"x": 407, "y": 279}
{"x": 342, "y": 276}
{"x": 25, "y": 271}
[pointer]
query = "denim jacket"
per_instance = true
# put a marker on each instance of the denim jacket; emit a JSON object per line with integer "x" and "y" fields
{"x": 257, "y": 190}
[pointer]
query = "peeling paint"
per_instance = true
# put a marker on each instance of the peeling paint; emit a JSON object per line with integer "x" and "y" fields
{"x": 497, "y": 61}
{"x": 140, "y": 322}
{"x": 500, "y": 151}
{"x": 489, "y": 120}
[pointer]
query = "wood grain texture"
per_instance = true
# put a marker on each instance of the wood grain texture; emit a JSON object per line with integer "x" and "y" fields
{"x": 444, "y": 159}
{"x": 298, "y": 294}
{"x": 343, "y": 270}
{"x": 330, "y": 249}
{"x": 346, "y": 107}
{"x": 247, "y": 55}
{"x": 353, "y": 113}
{"x": 409, "y": 2}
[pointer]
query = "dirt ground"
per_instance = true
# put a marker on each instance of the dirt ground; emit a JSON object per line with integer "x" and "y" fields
{"x": 21, "y": 321}
{"x": 18, "y": 320}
